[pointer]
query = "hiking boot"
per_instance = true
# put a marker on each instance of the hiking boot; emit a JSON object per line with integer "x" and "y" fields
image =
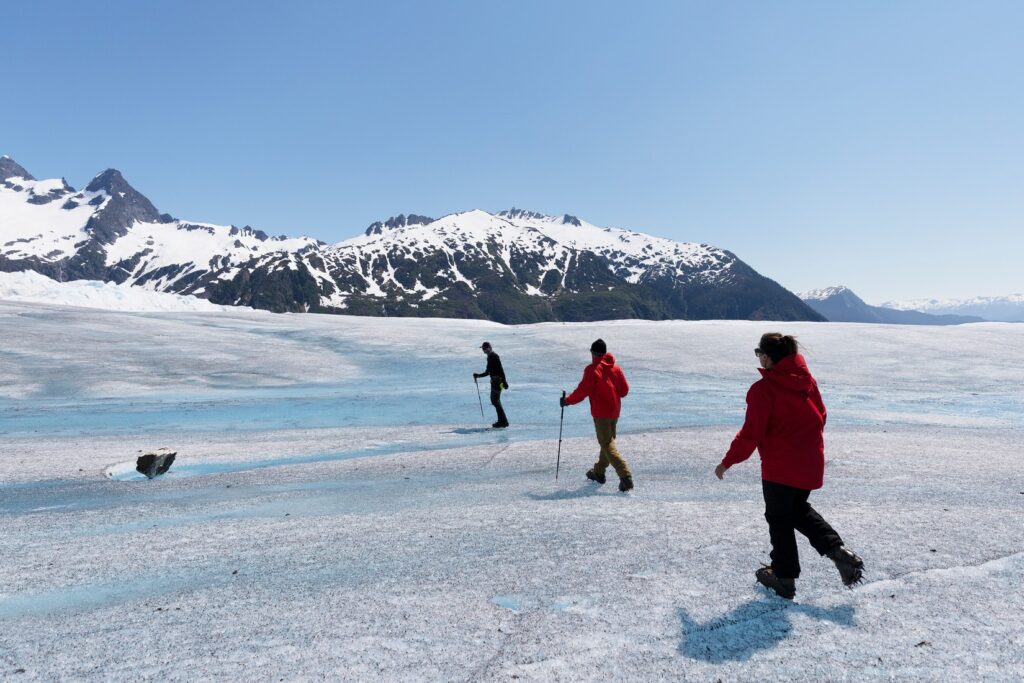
{"x": 500, "y": 425}
{"x": 594, "y": 476}
{"x": 849, "y": 564}
{"x": 784, "y": 588}
{"x": 625, "y": 483}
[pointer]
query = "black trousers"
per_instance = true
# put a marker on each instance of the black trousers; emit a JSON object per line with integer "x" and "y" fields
{"x": 787, "y": 511}
{"x": 496, "y": 401}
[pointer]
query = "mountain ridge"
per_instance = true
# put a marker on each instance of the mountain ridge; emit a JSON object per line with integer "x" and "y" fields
{"x": 512, "y": 266}
{"x": 840, "y": 304}
{"x": 1009, "y": 308}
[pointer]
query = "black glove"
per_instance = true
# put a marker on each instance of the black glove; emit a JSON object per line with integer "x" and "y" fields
{"x": 476, "y": 376}
{"x": 504, "y": 385}
{"x": 562, "y": 402}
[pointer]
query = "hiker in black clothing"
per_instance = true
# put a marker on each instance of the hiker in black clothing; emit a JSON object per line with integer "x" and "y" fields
{"x": 498, "y": 382}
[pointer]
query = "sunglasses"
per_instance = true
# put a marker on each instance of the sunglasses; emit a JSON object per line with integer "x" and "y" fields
{"x": 758, "y": 352}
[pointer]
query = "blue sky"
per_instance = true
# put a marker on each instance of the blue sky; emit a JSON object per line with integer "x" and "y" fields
{"x": 874, "y": 144}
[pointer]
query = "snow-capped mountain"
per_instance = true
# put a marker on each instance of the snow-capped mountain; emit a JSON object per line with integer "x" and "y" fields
{"x": 998, "y": 308}
{"x": 839, "y": 304}
{"x": 830, "y": 293}
{"x": 513, "y": 266}
{"x": 109, "y": 231}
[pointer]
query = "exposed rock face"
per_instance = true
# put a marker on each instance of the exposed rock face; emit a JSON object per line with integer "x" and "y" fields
{"x": 515, "y": 266}
{"x": 126, "y": 206}
{"x": 399, "y": 221}
{"x": 9, "y": 168}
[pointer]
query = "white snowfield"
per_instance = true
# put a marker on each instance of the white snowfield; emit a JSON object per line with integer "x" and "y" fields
{"x": 203, "y": 246}
{"x": 29, "y": 286}
{"x": 337, "y": 513}
{"x": 653, "y": 252}
{"x": 44, "y": 230}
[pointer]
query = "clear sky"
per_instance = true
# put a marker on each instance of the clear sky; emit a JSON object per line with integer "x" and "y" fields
{"x": 874, "y": 144}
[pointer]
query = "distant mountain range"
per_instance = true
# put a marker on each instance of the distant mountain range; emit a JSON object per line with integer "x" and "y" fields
{"x": 996, "y": 308}
{"x": 840, "y": 304}
{"x": 514, "y": 266}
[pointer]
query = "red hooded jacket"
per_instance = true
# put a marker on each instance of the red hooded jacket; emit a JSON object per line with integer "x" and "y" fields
{"x": 785, "y": 421}
{"x": 605, "y": 384}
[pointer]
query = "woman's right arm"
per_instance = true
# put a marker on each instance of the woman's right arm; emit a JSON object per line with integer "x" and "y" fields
{"x": 759, "y": 411}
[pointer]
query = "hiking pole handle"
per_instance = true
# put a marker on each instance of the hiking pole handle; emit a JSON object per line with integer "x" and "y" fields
{"x": 561, "y": 420}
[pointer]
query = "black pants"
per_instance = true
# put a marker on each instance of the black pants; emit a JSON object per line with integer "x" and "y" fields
{"x": 787, "y": 511}
{"x": 496, "y": 401}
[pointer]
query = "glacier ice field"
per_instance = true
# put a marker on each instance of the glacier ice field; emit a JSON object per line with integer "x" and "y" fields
{"x": 340, "y": 510}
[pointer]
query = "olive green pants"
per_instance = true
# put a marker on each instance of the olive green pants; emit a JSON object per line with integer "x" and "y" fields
{"x": 605, "y": 429}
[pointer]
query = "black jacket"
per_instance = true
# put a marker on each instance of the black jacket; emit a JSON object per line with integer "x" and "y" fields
{"x": 494, "y": 369}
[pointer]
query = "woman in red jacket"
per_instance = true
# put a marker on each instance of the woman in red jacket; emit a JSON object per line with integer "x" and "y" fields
{"x": 785, "y": 420}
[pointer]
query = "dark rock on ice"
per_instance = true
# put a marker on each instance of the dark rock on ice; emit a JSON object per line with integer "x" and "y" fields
{"x": 156, "y": 463}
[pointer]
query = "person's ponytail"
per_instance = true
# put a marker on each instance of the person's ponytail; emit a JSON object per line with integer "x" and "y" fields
{"x": 777, "y": 346}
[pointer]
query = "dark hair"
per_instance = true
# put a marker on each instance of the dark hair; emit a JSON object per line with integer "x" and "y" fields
{"x": 599, "y": 348}
{"x": 777, "y": 345}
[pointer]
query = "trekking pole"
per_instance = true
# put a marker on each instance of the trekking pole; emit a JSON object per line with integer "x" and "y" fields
{"x": 558, "y": 461}
{"x": 479, "y": 400}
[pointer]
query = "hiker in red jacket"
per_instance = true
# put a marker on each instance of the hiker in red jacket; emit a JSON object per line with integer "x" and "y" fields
{"x": 785, "y": 422}
{"x": 605, "y": 385}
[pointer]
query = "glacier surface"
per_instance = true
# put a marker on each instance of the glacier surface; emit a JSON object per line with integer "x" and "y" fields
{"x": 339, "y": 510}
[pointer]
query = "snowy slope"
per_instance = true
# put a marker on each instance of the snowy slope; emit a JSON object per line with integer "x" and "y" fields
{"x": 44, "y": 219}
{"x": 451, "y": 239}
{"x": 635, "y": 252}
{"x": 30, "y": 286}
{"x": 396, "y": 540}
{"x": 510, "y": 234}
{"x": 158, "y": 256}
